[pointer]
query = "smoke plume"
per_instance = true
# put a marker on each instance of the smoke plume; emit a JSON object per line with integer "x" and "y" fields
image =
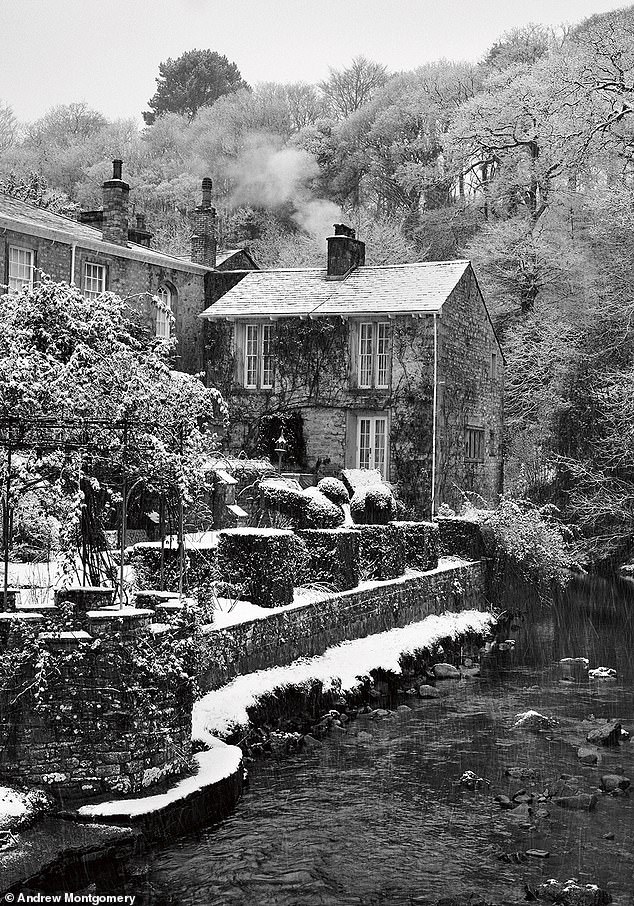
{"x": 271, "y": 176}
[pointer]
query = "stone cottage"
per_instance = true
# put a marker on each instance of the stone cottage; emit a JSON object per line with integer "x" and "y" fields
{"x": 395, "y": 368}
{"x": 106, "y": 250}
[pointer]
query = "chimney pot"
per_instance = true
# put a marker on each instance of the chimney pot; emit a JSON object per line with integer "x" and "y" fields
{"x": 207, "y": 187}
{"x": 117, "y": 168}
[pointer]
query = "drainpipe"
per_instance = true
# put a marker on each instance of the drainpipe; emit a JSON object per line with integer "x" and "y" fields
{"x": 434, "y": 428}
{"x": 73, "y": 250}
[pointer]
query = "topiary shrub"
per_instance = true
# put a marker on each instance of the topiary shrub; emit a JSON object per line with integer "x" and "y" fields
{"x": 320, "y": 512}
{"x": 285, "y": 497}
{"x": 381, "y": 552}
{"x": 334, "y": 490}
{"x": 265, "y": 562}
{"x": 308, "y": 508}
{"x": 373, "y": 505}
{"x": 421, "y": 541}
{"x": 333, "y": 556}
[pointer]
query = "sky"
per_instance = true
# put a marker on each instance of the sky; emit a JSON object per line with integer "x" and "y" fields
{"x": 107, "y": 52}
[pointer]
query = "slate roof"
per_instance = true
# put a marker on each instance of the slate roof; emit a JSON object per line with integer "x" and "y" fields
{"x": 22, "y": 217}
{"x": 387, "y": 289}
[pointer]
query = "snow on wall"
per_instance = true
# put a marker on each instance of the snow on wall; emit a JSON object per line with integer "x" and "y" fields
{"x": 219, "y": 710}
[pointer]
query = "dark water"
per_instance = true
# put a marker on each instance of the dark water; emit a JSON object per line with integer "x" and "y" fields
{"x": 376, "y": 815}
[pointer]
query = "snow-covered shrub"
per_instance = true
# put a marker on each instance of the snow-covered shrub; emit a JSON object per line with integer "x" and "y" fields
{"x": 283, "y": 496}
{"x": 308, "y": 508}
{"x": 266, "y": 562}
{"x": 382, "y": 552}
{"x": 373, "y": 505}
{"x": 460, "y": 537}
{"x": 334, "y": 490}
{"x": 320, "y": 512}
{"x": 334, "y": 556}
{"x": 199, "y": 567}
{"x": 421, "y": 544}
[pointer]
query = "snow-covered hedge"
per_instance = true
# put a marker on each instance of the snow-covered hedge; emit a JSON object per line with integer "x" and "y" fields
{"x": 334, "y": 556}
{"x": 373, "y": 505}
{"x": 267, "y": 563}
{"x": 382, "y": 552}
{"x": 461, "y": 537}
{"x": 421, "y": 541}
{"x": 145, "y": 558}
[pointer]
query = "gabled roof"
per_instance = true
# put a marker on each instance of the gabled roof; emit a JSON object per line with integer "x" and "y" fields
{"x": 386, "y": 289}
{"x": 22, "y": 217}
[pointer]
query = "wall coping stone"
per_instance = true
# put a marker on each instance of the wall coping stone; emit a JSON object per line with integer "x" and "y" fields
{"x": 123, "y": 613}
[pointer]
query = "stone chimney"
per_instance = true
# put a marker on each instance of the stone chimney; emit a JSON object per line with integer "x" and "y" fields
{"x": 115, "y": 207}
{"x": 204, "y": 238}
{"x": 345, "y": 252}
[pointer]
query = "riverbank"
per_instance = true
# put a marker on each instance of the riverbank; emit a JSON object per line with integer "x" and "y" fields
{"x": 375, "y": 811}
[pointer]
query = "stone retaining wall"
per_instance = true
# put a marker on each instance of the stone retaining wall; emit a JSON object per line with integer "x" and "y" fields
{"x": 309, "y": 629}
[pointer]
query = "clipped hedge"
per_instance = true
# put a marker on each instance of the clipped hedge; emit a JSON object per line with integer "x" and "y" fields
{"x": 145, "y": 557}
{"x": 381, "y": 552}
{"x": 334, "y": 556}
{"x": 267, "y": 563}
{"x": 421, "y": 541}
{"x": 460, "y": 537}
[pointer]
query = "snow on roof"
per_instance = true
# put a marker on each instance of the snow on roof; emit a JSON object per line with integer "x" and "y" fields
{"x": 389, "y": 289}
{"x": 22, "y": 217}
{"x": 220, "y": 710}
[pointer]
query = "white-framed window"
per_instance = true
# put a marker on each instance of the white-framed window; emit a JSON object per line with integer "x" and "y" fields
{"x": 372, "y": 439}
{"x": 164, "y": 312}
{"x": 266, "y": 375}
{"x": 21, "y": 267}
{"x": 373, "y": 368}
{"x": 94, "y": 282}
{"x": 259, "y": 359}
{"x": 474, "y": 444}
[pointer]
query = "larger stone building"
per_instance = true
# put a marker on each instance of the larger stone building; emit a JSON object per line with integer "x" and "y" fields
{"x": 108, "y": 250}
{"x": 395, "y": 368}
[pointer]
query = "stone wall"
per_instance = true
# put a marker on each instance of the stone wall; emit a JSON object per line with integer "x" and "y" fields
{"x": 132, "y": 275}
{"x": 87, "y": 730}
{"x": 309, "y": 629}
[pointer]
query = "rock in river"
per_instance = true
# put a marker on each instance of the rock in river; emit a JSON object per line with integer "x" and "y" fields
{"x": 532, "y": 720}
{"x": 426, "y": 691}
{"x": 574, "y": 667}
{"x": 588, "y": 754}
{"x": 611, "y": 782}
{"x": 446, "y": 671}
{"x": 582, "y": 802}
{"x": 607, "y": 735}
{"x": 572, "y": 893}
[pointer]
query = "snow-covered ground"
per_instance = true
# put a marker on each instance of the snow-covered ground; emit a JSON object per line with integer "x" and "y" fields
{"x": 218, "y": 711}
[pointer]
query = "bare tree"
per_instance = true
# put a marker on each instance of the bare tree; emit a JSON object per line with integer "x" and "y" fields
{"x": 349, "y": 89}
{"x": 8, "y": 127}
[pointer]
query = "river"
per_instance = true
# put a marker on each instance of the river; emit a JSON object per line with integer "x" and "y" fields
{"x": 377, "y": 816}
